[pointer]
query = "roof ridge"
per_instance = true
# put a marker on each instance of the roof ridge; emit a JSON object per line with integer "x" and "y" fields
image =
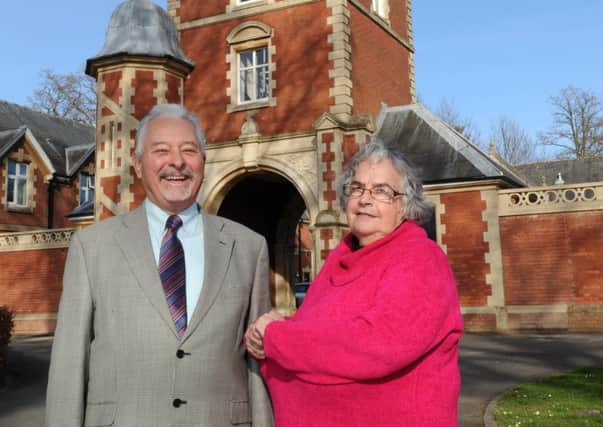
{"x": 48, "y": 115}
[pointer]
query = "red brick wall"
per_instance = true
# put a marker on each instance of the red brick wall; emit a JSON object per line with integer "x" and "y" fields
{"x": 65, "y": 200}
{"x": 195, "y": 9}
{"x": 398, "y": 16}
{"x": 112, "y": 89}
{"x": 379, "y": 66}
{"x": 31, "y": 284}
{"x": 172, "y": 94}
{"x": 586, "y": 253}
{"x": 143, "y": 98}
{"x": 466, "y": 249}
{"x": 585, "y": 318}
{"x": 301, "y": 75}
{"x": 479, "y": 322}
{"x": 554, "y": 258}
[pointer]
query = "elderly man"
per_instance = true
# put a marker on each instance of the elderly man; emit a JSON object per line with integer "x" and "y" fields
{"x": 156, "y": 301}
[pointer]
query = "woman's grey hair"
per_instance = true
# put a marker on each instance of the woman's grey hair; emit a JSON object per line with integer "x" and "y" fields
{"x": 415, "y": 206}
{"x": 176, "y": 111}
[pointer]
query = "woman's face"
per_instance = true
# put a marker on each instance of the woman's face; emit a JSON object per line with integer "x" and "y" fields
{"x": 371, "y": 219}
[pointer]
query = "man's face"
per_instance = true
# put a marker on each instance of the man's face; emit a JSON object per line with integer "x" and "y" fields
{"x": 171, "y": 165}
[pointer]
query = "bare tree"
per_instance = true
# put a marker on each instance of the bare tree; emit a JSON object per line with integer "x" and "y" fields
{"x": 512, "y": 142}
{"x": 449, "y": 113}
{"x": 577, "y": 129}
{"x": 72, "y": 96}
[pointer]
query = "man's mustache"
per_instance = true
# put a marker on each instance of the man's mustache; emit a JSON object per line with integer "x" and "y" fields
{"x": 186, "y": 172}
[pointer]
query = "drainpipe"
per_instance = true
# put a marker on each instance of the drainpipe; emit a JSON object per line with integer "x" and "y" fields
{"x": 51, "y": 187}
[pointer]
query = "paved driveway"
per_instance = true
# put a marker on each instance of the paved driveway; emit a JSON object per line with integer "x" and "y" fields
{"x": 489, "y": 364}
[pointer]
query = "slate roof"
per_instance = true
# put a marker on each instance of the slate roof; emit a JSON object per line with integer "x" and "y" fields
{"x": 82, "y": 211}
{"x": 140, "y": 27}
{"x": 573, "y": 171}
{"x": 56, "y": 136}
{"x": 438, "y": 152}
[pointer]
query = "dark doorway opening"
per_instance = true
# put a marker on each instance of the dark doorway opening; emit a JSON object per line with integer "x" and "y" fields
{"x": 270, "y": 205}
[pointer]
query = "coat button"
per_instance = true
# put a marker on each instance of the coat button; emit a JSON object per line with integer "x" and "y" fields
{"x": 180, "y": 354}
{"x": 178, "y": 402}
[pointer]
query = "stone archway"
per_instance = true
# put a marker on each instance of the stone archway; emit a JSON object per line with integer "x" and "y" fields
{"x": 271, "y": 205}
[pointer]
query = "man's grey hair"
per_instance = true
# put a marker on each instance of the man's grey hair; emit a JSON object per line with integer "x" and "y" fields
{"x": 415, "y": 206}
{"x": 176, "y": 111}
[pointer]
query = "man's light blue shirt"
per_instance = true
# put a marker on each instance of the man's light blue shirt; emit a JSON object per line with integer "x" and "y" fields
{"x": 191, "y": 236}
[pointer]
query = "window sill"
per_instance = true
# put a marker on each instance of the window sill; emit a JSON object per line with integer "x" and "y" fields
{"x": 232, "y": 108}
{"x": 244, "y": 6}
{"x": 19, "y": 209}
{"x": 383, "y": 20}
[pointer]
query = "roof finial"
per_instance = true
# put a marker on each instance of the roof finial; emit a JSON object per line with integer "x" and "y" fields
{"x": 559, "y": 180}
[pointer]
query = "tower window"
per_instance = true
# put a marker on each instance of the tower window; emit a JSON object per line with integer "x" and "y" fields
{"x": 381, "y": 8}
{"x": 254, "y": 75}
{"x": 251, "y": 67}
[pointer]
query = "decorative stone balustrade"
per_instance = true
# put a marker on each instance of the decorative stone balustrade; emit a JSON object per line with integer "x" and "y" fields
{"x": 36, "y": 240}
{"x": 557, "y": 198}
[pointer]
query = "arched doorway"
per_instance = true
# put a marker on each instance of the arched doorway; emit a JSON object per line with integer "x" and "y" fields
{"x": 270, "y": 205}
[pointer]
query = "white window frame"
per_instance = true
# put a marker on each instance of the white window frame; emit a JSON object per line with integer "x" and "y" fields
{"x": 381, "y": 8}
{"x": 86, "y": 188}
{"x": 243, "y": 5}
{"x": 17, "y": 177}
{"x": 254, "y": 68}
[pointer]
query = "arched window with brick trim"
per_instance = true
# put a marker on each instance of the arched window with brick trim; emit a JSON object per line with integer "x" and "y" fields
{"x": 251, "y": 67}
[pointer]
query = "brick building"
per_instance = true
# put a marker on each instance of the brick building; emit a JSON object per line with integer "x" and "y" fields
{"x": 286, "y": 91}
{"x": 47, "y": 183}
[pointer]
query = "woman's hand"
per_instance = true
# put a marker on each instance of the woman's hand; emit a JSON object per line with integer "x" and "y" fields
{"x": 254, "y": 336}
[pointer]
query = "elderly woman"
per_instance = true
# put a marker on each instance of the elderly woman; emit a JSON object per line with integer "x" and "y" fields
{"x": 375, "y": 342}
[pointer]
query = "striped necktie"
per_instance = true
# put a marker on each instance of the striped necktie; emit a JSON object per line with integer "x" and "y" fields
{"x": 172, "y": 271}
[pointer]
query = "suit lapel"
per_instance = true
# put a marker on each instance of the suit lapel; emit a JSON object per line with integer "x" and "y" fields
{"x": 217, "y": 253}
{"x": 135, "y": 244}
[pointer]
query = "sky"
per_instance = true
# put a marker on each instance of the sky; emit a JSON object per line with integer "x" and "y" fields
{"x": 487, "y": 58}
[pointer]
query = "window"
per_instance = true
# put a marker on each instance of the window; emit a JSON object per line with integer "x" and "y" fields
{"x": 381, "y": 8}
{"x": 234, "y": 5}
{"x": 86, "y": 188}
{"x": 251, "y": 67}
{"x": 16, "y": 194}
{"x": 254, "y": 75}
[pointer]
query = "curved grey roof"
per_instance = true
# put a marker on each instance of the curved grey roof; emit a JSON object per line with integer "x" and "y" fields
{"x": 439, "y": 153}
{"x": 140, "y": 27}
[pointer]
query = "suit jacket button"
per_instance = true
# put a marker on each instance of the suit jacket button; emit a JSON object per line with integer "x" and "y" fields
{"x": 180, "y": 354}
{"x": 178, "y": 402}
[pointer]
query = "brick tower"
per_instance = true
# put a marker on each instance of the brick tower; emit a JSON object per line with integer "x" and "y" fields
{"x": 140, "y": 65}
{"x": 286, "y": 91}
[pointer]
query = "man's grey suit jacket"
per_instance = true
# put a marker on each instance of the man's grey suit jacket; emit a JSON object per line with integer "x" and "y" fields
{"x": 116, "y": 357}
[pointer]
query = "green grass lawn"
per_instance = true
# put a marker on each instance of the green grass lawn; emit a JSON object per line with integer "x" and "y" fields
{"x": 569, "y": 399}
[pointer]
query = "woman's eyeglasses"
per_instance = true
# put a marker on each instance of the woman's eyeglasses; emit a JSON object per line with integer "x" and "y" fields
{"x": 381, "y": 193}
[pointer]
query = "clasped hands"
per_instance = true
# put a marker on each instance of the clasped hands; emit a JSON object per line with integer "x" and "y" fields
{"x": 254, "y": 336}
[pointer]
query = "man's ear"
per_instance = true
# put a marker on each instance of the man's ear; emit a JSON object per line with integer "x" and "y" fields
{"x": 137, "y": 166}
